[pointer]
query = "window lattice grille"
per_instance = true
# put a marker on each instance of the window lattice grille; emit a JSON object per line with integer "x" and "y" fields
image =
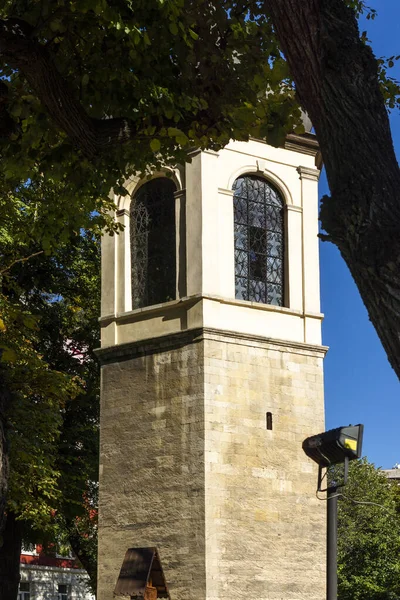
{"x": 24, "y": 590}
{"x": 153, "y": 245}
{"x": 259, "y": 241}
{"x": 63, "y": 592}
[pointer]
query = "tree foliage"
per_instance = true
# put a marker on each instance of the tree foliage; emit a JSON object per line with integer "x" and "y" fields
{"x": 50, "y": 306}
{"x": 368, "y": 535}
{"x": 93, "y": 90}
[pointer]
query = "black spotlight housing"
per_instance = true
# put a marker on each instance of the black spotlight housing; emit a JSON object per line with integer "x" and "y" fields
{"x": 335, "y": 445}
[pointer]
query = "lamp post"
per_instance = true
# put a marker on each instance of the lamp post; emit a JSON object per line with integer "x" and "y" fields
{"x": 335, "y": 446}
{"x": 331, "y": 544}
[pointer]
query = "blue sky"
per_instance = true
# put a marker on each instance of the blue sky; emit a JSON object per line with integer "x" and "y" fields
{"x": 360, "y": 385}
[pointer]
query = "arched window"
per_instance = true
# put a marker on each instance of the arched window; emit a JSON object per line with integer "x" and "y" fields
{"x": 259, "y": 241}
{"x": 153, "y": 247}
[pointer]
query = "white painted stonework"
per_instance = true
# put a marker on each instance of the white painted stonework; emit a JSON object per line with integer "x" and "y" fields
{"x": 206, "y": 290}
{"x": 44, "y": 581}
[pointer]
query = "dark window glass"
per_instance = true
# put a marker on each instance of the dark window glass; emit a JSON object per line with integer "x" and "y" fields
{"x": 153, "y": 252}
{"x": 24, "y": 590}
{"x": 63, "y": 592}
{"x": 259, "y": 241}
{"x": 269, "y": 421}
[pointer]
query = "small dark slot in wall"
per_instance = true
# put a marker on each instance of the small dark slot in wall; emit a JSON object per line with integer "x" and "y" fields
{"x": 269, "y": 420}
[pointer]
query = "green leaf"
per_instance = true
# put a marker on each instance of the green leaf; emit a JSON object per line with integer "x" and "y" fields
{"x": 155, "y": 145}
{"x": 55, "y": 25}
{"x": 174, "y": 131}
{"x": 182, "y": 140}
{"x": 7, "y": 354}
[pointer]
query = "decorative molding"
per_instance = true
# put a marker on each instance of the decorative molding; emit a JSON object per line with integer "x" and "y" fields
{"x": 212, "y": 152}
{"x": 155, "y": 309}
{"x": 134, "y": 183}
{"x": 311, "y": 315}
{"x": 50, "y": 569}
{"x": 107, "y": 319}
{"x": 306, "y": 143}
{"x": 271, "y": 176}
{"x": 122, "y": 212}
{"x": 225, "y": 192}
{"x": 250, "y": 340}
{"x": 292, "y": 208}
{"x": 307, "y": 173}
{"x": 196, "y": 151}
{"x": 132, "y": 350}
{"x": 261, "y": 166}
{"x": 180, "y": 193}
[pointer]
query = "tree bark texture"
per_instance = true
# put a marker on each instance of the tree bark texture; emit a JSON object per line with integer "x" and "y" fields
{"x": 87, "y": 560}
{"x": 9, "y": 558}
{"x": 336, "y": 81}
{"x": 5, "y": 399}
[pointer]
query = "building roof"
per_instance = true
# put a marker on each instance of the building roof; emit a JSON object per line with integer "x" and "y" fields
{"x": 392, "y": 473}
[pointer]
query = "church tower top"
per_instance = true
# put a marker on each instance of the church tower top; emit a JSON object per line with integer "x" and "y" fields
{"x": 229, "y": 241}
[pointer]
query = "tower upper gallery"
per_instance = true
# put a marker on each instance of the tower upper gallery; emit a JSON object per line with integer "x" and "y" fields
{"x": 228, "y": 240}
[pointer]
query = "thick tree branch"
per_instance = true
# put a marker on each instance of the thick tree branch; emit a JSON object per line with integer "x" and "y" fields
{"x": 5, "y": 399}
{"x": 336, "y": 81}
{"x": 18, "y": 260}
{"x": 10, "y": 550}
{"x": 7, "y": 125}
{"x": 80, "y": 549}
{"x": 93, "y": 136}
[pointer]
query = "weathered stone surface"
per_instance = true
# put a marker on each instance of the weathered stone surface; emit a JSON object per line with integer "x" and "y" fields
{"x": 152, "y": 466}
{"x": 188, "y": 465}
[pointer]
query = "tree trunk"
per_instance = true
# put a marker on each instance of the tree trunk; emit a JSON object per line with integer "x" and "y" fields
{"x": 337, "y": 84}
{"x": 10, "y": 529}
{"x": 9, "y": 558}
{"x": 4, "y": 466}
{"x": 87, "y": 559}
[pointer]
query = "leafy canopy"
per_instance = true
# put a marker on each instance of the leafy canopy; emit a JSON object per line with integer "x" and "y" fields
{"x": 368, "y": 535}
{"x": 92, "y": 90}
{"x": 174, "y": 74}
{"x": 49, "y": 304}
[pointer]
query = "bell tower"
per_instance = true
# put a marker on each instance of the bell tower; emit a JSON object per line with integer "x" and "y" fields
{"x": 212, "y": 376}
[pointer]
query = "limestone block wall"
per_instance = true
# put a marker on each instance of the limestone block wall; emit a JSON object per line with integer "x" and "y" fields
{"x": 188, "y": 465}
{"x": 152, "y": 462}
{"x": 265, "y": 529}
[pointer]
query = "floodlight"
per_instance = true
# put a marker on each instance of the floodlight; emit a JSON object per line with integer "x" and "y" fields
{"x": 335, "y": 446}
{"x": 338, "y": 445}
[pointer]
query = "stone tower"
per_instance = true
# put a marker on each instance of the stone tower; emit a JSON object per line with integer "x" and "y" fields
{"x": 212, "y": 376}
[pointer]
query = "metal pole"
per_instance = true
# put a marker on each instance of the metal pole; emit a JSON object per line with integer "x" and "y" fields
{"x": 331, "y": 545}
